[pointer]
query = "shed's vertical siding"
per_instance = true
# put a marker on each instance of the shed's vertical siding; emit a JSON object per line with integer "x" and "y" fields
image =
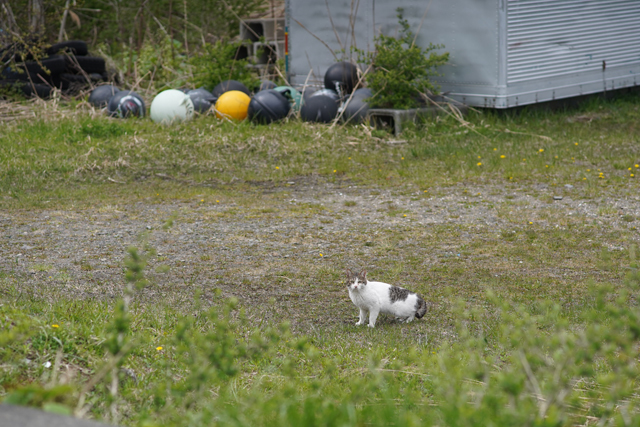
{"x": 550, "y": 38}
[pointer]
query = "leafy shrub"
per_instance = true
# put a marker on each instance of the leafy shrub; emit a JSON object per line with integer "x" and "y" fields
{"x": 160, "y": 64}
{"x": 401, "y": 69}
{"x": 217, "y": 62}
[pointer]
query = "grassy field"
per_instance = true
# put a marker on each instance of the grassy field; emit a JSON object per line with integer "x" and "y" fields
{"x": 192, "y": 275}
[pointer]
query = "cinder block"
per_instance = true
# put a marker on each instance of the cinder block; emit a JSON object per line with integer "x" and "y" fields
{"x": 272, "y": 29}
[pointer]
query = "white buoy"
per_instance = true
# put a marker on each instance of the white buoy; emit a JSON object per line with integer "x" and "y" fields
{"x": 171, "y": 106}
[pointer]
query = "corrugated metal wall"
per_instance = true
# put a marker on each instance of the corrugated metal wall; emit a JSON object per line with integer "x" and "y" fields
{"x": 503, "y": 53}
{"x": 551, "y": 38}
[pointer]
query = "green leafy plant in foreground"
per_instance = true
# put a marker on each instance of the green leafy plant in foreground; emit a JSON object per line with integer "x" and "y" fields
{"x": 506, "y": 364}
{"x": 401, "y": 69}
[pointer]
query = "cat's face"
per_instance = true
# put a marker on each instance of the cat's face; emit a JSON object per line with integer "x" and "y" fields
{"x": 356, "y": 281}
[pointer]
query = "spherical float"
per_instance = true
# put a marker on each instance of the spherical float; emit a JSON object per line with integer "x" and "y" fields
{"x": 319, "y": 108}
{"x": 292, "y": 94}
{"x": 233, "y": 105}
{"x": 171, "y": 106}
{"x": 202, "y": 99}
{"x": 100, "y": 96}
{"x": 307, "y": 92}
{"x": 355, "y": 110}
{"x": 326, "y": 92}
{"x": 228, "y": 85}
{"x": 355, "y": 106}
{"x": 341, "y": 77}
{"x": 363, "y": 93}
{"x": 268, "y": 106}
{"x": 266, "y": 85}
{"x": 125, "y": 104}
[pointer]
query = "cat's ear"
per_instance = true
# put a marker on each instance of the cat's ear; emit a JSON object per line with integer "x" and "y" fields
{"x": 363, "y": 273}
{"x": 349, "y": 273}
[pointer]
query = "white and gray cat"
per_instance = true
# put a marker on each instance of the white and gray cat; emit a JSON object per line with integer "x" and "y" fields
{"x": 379, "y": 297}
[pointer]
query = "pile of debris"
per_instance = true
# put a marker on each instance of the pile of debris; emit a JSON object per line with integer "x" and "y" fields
{"x": 66, "y": 66}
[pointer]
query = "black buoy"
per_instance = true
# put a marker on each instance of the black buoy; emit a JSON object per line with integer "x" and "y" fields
{"x": 356, "y": 107}
{"x": 228, "y": 85}
{"x": 341, "y": 77}
{"x": 307, "y": 92}
{"x": 355, "y": 110}
{"x": 326, "y": 92}
{"x": 268, "y": 106}
{"x": 202, "y": 99}
{"x": 321, "y": 108}
{"x": 267, "y": 84}
{"x": 100, "y": 96}
{"x": 125, "y": 104}
{"x": 363, "y": 93}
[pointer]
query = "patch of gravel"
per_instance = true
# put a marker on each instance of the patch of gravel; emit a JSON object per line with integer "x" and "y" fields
{"x": 261, "y": 246}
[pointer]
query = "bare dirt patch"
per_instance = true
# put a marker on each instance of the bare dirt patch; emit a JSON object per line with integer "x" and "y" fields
{"x": 282, "y": 250}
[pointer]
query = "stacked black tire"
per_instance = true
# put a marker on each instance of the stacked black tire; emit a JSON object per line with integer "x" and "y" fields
{"x": 66, "y": 66}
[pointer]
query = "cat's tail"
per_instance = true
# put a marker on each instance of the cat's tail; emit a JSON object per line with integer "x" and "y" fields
{"x": 421, "y": 308}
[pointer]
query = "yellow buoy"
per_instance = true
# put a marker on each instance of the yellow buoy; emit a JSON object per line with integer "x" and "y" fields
{"x": 233, "y": 105}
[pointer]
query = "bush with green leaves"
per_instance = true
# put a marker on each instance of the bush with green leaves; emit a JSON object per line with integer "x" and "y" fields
{"x": 218, "y": 62}
{"x": 400, "y": 69}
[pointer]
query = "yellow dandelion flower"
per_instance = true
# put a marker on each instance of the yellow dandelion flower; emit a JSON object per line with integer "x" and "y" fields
{"x": 426, "y": 191}
{"x": 217, "y": 201}
{"x": 588, "y": 170}
{"x": 541, "y": 150}
{"x": 478, "y": 194}
{"x": 479, "y": 157}
{"x": 349, "y": 158}
{"x": 277, "y": 167}
{"x": 510, "y": 177}
{"x": 495, "y": 149}
{"x": 502, "y": 156}
{"x": 402, "y": 158}
{"x": 556, "y": 157}
{"x": 159, "y": 348}
{"x": 524, "y": 160}
{"x": 584, "y": 179}
{"x": 321, "y": 255}
{"x": 530, "y": 223}
{"x": 638, "y": 166}
{"x": 404, "y": 215}
{"x": 546, "y": 166}
{"x": 575, "y": 143}
{"x": 202, "y": 200}
{"x": 55, "y": 326}
{"x": 334, "y": 171}
{"x": 479, "y": 164}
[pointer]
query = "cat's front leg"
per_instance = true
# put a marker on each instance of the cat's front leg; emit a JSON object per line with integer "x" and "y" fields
{"x": 363, "y": 315}
{"x": 373, "y": 315}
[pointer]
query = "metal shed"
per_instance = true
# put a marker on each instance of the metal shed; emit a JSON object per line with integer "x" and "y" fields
{"x": 503, "y": 53}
